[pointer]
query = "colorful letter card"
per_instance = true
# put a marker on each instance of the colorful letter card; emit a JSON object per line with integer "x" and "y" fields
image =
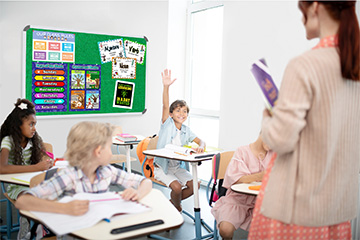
{"x": 124, "y": 94}
{"x": 49, "y": 86}
{"x": 124, "y": 68}
{"x": 53, "y": 46}
{"x": 85, "y": 87}
{"x": 110, "y": 49}
{"x": 135, "y": 50}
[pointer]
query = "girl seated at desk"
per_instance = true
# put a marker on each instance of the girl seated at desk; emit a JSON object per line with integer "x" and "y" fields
{"x": 234, "y": 210}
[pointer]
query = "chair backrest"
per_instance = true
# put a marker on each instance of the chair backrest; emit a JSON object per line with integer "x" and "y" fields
{"x": 36, "y": 180}
{"x": 152, "y": 144}
{"x": 48, "y": 147}
{"x": 221, "y": 166}
{"x": 117, "y": 130}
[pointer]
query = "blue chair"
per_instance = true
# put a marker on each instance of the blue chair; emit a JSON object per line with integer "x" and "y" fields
{"x": 10, "y": 227}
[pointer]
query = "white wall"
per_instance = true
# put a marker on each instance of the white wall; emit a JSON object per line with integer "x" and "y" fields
{"x": 131, "y": 18}
{"x": 252, "y": 30}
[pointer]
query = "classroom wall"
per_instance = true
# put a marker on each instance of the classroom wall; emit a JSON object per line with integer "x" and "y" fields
{"x": 132, "y": 18}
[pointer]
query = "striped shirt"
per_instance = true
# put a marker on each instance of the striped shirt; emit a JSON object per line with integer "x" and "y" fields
{"x": 71, "y": 180}
{"x": 7, "y": 143}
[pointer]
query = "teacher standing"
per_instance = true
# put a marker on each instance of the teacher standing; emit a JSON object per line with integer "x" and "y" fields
{"x": 311, "y": 188}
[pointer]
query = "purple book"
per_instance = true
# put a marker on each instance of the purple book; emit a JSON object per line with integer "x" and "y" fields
{"x": 262, "y": 75}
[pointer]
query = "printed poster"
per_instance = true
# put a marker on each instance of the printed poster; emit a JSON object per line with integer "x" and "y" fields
{"x": 124, "y": 94}
{"x": 53, "y": 46}
{"x": 110, "y": 49}
{"x": 49, "y": 86}
{"x": 124, "y": 68}
{"x": 85, "y": 94}
{"x": 135, "y": 50}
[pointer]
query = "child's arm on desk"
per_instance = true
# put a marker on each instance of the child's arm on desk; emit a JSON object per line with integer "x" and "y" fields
{"x": 202, "y": 145}
{"x": 9, "y": 168}
{"x": 31, "y": 203}
{"x": 166, "y": 78}
{"x": 136, "y": 194}
{"x": 256, "y": 177}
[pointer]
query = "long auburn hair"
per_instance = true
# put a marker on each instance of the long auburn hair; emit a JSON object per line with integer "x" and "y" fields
{"x": 348, "y": 34}
{"x": 11, "y": 128}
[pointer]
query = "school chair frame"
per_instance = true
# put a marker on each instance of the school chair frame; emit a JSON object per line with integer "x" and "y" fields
{"x": 9, "y": 227}
{"x": 219, "y": 165}
{"x": 152, "y": 145}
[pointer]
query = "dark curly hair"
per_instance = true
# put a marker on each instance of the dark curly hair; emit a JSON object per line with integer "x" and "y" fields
{"x": 11, "y": 128}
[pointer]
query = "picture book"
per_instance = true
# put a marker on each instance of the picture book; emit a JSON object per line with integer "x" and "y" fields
{"x": 102, "y": 207}
{"x": 263, "y": 77}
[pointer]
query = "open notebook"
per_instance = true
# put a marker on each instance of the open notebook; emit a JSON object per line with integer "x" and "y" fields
{"x": 182, "y": 153}
{"x": 102, "y": 206}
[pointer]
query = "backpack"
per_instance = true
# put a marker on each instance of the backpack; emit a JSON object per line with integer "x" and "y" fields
{"x": 147, "y": 163}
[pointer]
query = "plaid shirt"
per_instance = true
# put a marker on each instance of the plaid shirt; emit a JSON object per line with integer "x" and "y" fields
{"x": 71, "y": 180}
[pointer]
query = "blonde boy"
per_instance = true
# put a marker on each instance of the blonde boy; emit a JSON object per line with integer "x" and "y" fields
{"x": 89, "y": 153}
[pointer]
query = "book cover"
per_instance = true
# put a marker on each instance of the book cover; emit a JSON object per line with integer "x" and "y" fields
{"x": 263, "y": 77}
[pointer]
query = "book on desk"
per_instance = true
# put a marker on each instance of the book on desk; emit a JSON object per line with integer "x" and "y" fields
{"x": 181, "y": 153}
{"x": 102, "y": 207}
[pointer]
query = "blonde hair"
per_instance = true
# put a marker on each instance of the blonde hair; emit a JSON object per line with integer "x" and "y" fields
{"x": 82, "y": 140}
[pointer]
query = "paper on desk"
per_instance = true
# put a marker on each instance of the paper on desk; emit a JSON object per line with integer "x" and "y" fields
{"x": 102, "y": 206}
{"x": 25, "y": 178}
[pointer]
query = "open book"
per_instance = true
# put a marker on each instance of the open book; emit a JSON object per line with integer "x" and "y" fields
{"x": 180, "y": 153}
{"x": 263, "y": 77}
{"x": 102, "y": 206}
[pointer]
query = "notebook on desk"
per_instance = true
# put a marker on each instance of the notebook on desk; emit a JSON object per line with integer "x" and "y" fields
{"x": 102, "y": 206}
{"x": 180, "y": 153}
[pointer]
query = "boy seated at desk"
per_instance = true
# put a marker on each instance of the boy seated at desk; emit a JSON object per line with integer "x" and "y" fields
{"x": 89, "y": 153}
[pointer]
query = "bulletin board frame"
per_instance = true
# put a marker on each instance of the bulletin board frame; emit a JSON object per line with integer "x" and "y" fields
{"x": 68, "y": 73}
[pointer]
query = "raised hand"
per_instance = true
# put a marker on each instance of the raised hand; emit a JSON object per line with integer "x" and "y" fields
{"x": 166, "y": 78}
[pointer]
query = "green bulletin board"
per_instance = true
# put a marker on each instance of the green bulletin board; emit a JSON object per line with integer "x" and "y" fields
{"x": 70, "y": 73}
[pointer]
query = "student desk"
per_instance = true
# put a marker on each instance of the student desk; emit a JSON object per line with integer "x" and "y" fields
{"x": 9, "y": 178}
{"x": 194, "y": 163}
{"x": 244, "y": 188}
{"x": 161, "y": 209}
{"x": 127, "y": 146}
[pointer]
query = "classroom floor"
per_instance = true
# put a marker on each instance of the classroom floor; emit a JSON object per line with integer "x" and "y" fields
{"x": 185, "y": 232}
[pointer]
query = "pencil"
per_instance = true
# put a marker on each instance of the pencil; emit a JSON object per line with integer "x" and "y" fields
{"x": 181, "y": 154}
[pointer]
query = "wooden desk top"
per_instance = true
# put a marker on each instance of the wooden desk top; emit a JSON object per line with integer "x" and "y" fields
{"x": 244, "y": 188}
{"x": 161, "y": 209}
{"x": 9, "y": 178}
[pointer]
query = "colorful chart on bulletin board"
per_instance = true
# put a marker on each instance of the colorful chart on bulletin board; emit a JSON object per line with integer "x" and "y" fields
{"x": 70, "y": 73}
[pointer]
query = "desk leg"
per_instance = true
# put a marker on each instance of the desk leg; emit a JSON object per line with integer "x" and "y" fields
{"x": 196, "y": 201}
{"x": 128, "y": 162}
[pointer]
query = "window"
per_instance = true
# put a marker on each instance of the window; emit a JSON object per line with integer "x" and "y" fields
{"x": 204, "y": 73}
